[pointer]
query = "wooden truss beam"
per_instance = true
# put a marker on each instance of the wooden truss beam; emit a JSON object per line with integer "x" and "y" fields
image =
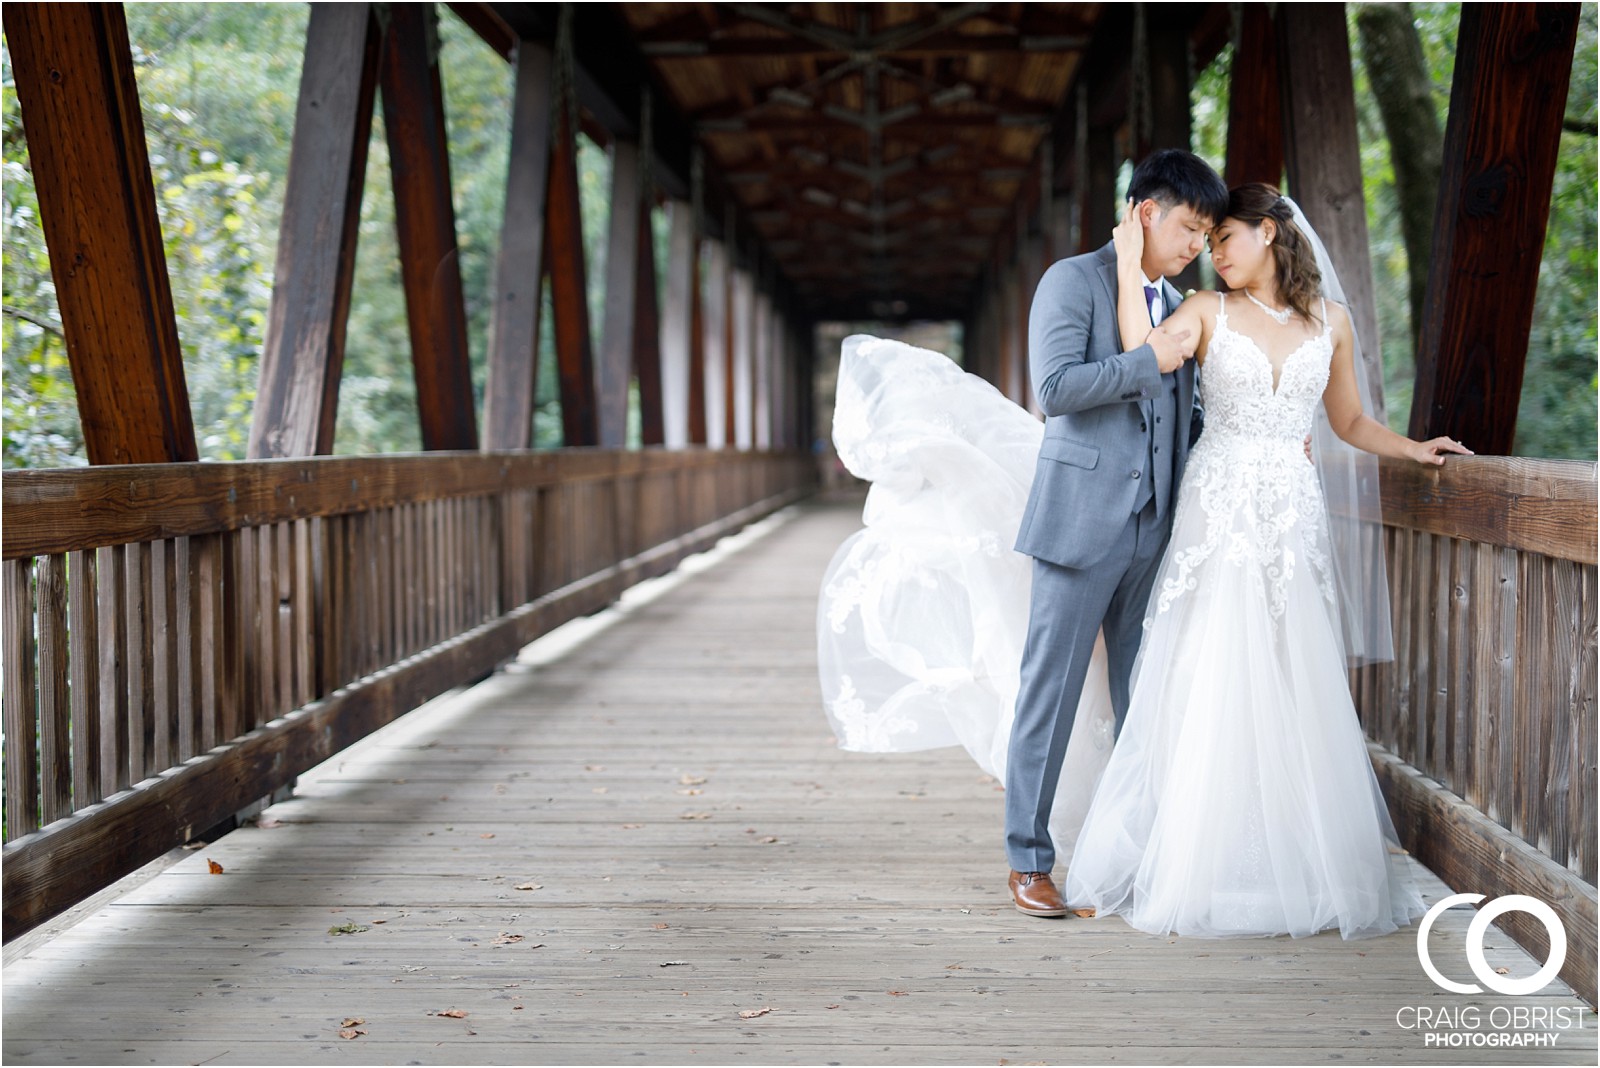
{"x": 1513, "y": 65}
{"x": 1255, "y": 104}
{"x": 430, "y": 266}
{"x": 80, "y": 111}
{"x": 508, "y": 395}
{"x": 297, "y": 394}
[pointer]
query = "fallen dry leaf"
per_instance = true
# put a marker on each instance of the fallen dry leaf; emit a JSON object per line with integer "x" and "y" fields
{"x": 632, "y": 826}
{"x": 351, "y": 1032}
{"x": 1087, "y": 914}
{"x": 661, "y": 926}
{"x": 348, "y": 928}
{"x": 352, "y": 1021}
{"x": 695, "y": 816}
{"x": 751, "y": 1014}
{"x": 830, "y": 1006}
{"x": 530, "y": 886}
{"x": 897, "y": 993}
{"x": 505, "y": 938}
{"x": 692, "y": 780}
{"x": 486, "y": 834}
{"x": 454, "y": 1014}
{"x": 770, "y": 839}
{"x": 594, "y": 767}
{"x": 692, "y": 791}
{"x": 516, "y": 1006}
{"x": 216, "y": 869}
{"x": 1502, "y": 971}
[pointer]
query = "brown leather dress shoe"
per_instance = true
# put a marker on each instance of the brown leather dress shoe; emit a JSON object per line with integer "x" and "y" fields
{"x": 1034, "y": 893}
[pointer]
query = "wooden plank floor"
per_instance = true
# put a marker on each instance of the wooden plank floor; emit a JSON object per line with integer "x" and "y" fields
{"x": 622, "y": 853}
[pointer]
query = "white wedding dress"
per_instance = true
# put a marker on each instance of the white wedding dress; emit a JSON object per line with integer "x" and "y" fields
{"x": 1239, "y": 798}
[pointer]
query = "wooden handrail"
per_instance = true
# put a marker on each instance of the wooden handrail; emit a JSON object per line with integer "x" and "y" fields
{"x": 1541, "y": 506}
{"x": 68, "y": 509}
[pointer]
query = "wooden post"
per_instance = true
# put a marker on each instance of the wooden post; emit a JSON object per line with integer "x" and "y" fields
{"x": 430, "y": 267}
{"x": 647, "y": 331}
{"x": 715, "y": 332}
{"x": 678, "y": 331}
{"x": 699, "y": 433}
{"x": 761, "y": 369}
{"x": 514, "y": 333}
{"x": 1323, "y": 156}
{"x": 569, "y": 300}
{"x": 1255, "y": 103}
{"x": 297, "y": 395}
{"x": 743, "y": 377}
{"x": 616, "y": 335}
{"x": 80, "y": 110}
{"x": 1099, "y": 188}
{"x": 1507, "y": 100}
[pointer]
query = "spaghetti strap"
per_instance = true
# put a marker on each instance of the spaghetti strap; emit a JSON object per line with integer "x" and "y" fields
{"x": 1222, "y": 307}
{"x": 1326, "y": 325}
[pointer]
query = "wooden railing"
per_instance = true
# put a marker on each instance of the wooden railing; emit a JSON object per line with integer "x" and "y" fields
{"x": 181, "y": 640}
{"x": 1486, "y": 717}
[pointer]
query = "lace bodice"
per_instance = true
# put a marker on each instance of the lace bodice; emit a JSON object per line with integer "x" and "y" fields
{"x": 1236, "y": 384}
{"x": 1248, "y": 473}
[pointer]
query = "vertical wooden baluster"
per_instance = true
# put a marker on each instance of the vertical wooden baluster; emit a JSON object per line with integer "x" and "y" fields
{"x": 284, "y": 600}
{"x": 161, "y": 682}
{"x": 305, "y": 609}
{"x": 333, "y": 616}
{"x": 205, "y": 597}
{"x": 141, "y": 698}
{"x": 21, "y": 713}
{"x": 112, "y": 597}
{"x": 55, "y": 708}
{"x": 186, "y": 649}
{"x": 234, "y": 681}
{"x": 83, "y": 625}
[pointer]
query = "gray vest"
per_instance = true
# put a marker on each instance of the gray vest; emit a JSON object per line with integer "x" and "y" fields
{"x": 1159, "y": 421}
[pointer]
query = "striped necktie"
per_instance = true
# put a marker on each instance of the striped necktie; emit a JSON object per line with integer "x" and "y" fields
{"x": 1150, "y": 298}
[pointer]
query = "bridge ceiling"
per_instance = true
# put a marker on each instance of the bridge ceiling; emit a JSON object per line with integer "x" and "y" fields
{"x": 877, "y": 148}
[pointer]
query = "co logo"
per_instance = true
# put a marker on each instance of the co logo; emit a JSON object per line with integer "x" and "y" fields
{"x": 1475, "y": 932}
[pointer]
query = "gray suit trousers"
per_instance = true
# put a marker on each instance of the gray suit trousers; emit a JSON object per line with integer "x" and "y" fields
{"x": 1068, "y": 607}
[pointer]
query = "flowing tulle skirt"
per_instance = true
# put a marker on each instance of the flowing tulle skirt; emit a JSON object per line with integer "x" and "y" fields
{"x": 1239, "y": 798}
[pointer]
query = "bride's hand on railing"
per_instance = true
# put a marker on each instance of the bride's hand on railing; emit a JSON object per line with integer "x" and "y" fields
{"x": 1433, "y": 451}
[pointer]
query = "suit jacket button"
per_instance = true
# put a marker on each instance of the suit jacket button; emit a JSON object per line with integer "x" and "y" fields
{"x": 1136, "y": 474}
{"x": 1143, "y": 428}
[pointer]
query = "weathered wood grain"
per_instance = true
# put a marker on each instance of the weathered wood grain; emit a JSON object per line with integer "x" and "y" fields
{"x": 1542, "y": 506}
{"x": 80, "y": 109}
{"x": 1476, "y": 854}
{"x": 302, "y": 354}
{"x": 1322, "y": 155}
{"x": 61, "y": 510}
{"x": 1508, "y": 97}
{"x": 21, "y": 700}
{"x": 1255, "y": 104}
{"x": 430, "y": 262}
{"x": 508, "y": 394}
{"x": 44, "y": 873}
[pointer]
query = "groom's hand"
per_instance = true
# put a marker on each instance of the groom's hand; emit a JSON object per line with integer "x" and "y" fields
{"x": 1171, "y": 349}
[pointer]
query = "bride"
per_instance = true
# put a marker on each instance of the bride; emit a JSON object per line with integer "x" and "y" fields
{"x": 1239, "y": 798}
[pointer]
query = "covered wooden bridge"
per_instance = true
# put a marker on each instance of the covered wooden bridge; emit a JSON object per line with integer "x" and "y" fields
{"x": 642, "y": 844}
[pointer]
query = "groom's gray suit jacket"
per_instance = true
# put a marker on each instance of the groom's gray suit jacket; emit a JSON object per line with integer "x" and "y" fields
{"x": 1097, "y": 401}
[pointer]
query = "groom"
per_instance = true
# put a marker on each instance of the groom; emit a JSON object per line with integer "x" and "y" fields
{"x": 1117, "y": 435}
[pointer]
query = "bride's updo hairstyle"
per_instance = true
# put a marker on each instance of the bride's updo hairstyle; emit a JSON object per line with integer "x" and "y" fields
{"x": 1298, "y": 277}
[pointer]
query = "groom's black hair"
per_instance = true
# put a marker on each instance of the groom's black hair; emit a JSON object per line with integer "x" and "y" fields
{"x": 1172, "y": 177}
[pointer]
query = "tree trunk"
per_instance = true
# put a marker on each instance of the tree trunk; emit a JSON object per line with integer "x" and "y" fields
{"x": 1392, "y": 52}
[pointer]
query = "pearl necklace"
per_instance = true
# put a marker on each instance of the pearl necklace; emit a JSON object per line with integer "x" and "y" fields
{"x": 1279, "y": 316}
